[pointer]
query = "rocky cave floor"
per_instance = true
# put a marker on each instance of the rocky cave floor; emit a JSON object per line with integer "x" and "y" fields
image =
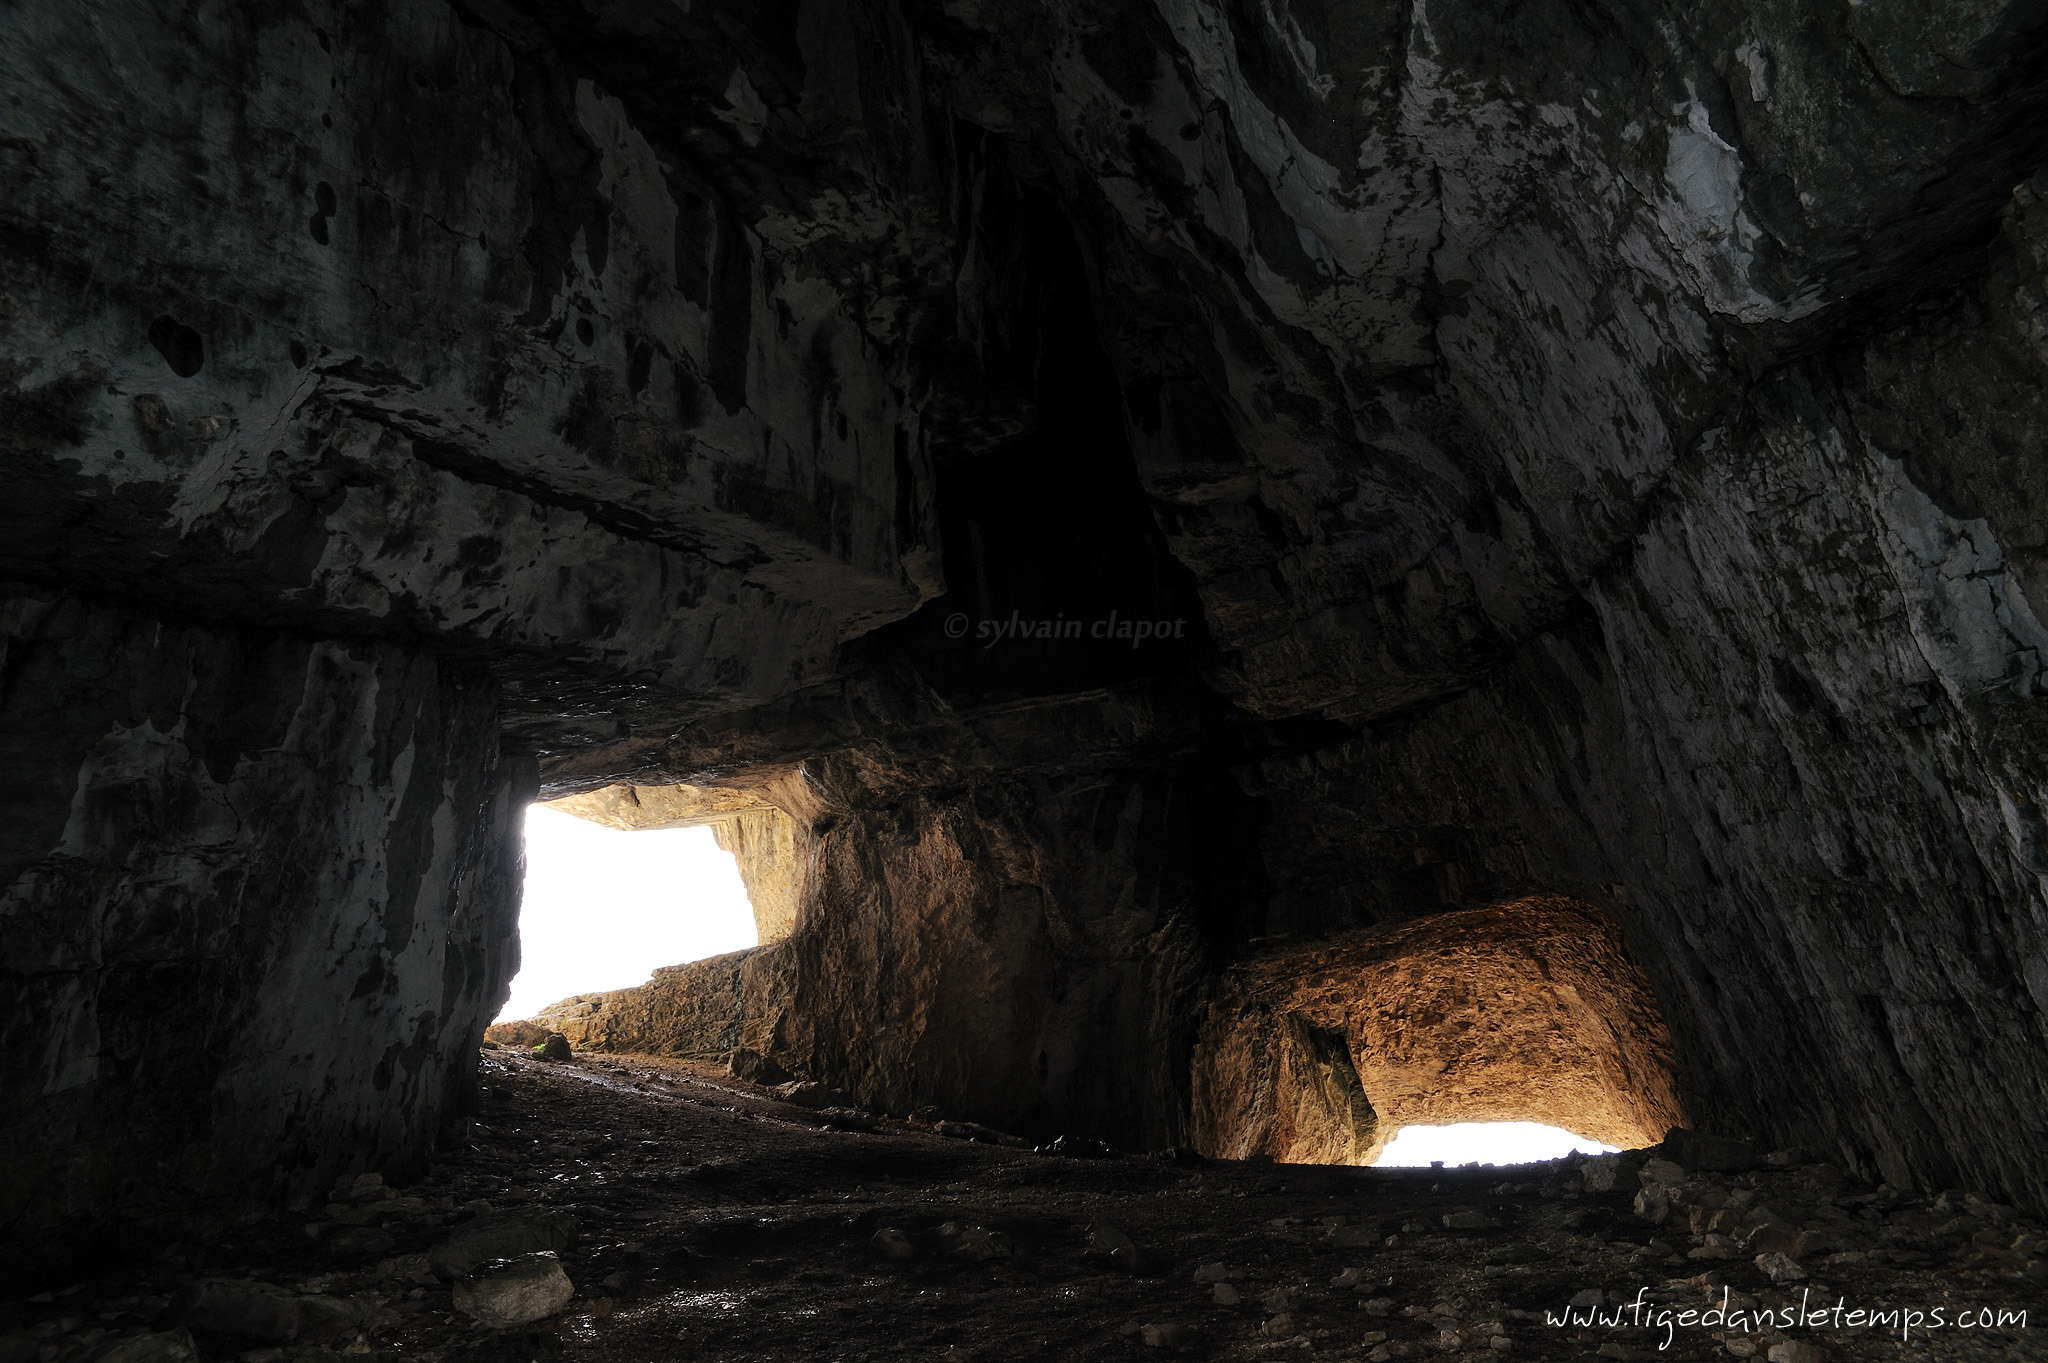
{"x": 701, "y": 1217}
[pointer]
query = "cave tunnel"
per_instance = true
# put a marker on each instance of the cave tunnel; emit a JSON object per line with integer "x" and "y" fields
{"x": 1233, "y": 581}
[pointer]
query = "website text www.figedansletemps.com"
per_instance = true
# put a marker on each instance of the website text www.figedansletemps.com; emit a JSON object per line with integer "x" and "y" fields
{"x": 1903, "y": 1321}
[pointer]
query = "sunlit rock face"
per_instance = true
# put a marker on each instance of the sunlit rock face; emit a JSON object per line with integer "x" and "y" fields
{"x": 1581, "y": 451}
{"x": 1527, "y": 1012}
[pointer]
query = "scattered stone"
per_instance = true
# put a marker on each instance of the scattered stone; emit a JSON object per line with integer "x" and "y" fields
{"x": 1225, "y": 1295}
{"x": 1168, "y": 1336}
{"x": 850, "y": 1119}
{"x": 1795, "y": 1351}
{"x": 515, "y": 1292}
{"x": 1350, "y": 1277}
{"x": 1780, "y": 1268}
{"x": 1377, "y": 1306}
{"x": 1279, "y": 1327}
{"x": 409, "y": 1268}
{"x": 1104, "y": 1238}
{"x": 1217, "y": 1273}
{"x": 1652, "y": 1204}
{"x": 1717, "y": 1246}
{"x": 1470, "y": 1220}
{"x": 1075, "y": 1147}
{"x": 892, "y": 1243}
{"x": 980, "y": 1245}
{"x": 502, "y": 1235}
{"x": 812, "y": 1094}
{"x": 1663, "y": 1171}
{"x": 754, "y": 1067}
{"x": 1611, "y": 1173}
{"x": 1279, "y": 1301}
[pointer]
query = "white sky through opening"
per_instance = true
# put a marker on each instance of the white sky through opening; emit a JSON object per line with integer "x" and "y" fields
{"x": 603, "y": 908}
{"x": 1484, "y": 1143}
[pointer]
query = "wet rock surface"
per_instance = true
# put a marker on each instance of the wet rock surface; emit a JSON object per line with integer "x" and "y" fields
{"x": 714, "y": 1221}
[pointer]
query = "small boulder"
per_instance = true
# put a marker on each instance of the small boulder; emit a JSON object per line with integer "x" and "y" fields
{"x": 1653, "y": 1204}
{"x": 501, "y": 1235}
{"x": 1217, "y": 1273}
{"x": 1611, "y": 1173}
{"x": 1715, "y": 1246}
{"x": 1223, "y": 1294}
{"x": 515, "y": 1291}
{"x": 1780, "y": 1268}
{"x": 809, "y": 1093}
{"x": 556, "y": 1047}
{"x": 1279, "y": 1327}
{"x": 1167, "y": 1336}
{"x": 892, "y": 1243}
{"x": 1105, "y": 1238}
{"x": 1772, "y": 1237}
{"x": 1794, "y": 1351}
{"x": 978, "y": 1244}
{"x": 754, "y": 1067}
{"x": 1666, "y": 1173}
{"x": 1350, "y": 1277}
{"x": 849, "y": 1118}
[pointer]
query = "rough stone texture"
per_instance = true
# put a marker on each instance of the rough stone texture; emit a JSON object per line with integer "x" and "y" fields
{"x": 703, "y": 1009}
{"x": 502, "y": 1235}
{"x": 518, "y": 1293}
{"x": 257, "y": 906}
{"x": 1529, "y": 1012}
{"x": 1577, "y": 450}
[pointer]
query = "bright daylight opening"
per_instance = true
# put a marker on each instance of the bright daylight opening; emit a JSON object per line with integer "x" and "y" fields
{"x": 1483, "y": 1143}
{"x": 603, "y": 908}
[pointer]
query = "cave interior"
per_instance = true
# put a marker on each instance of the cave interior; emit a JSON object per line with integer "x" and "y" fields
{"x": 1235, "y": 576}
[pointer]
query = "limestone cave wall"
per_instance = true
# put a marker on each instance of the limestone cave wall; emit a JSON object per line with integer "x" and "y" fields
{"x": 258, "y": 908}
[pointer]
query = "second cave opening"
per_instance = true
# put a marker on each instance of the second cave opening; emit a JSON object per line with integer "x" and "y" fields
{"x": 604, "y": 907}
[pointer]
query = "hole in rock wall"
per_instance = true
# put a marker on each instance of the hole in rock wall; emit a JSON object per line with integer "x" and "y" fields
{"x": 605, "y": 907}
{"x": 1530, "y": 1012}
{"x": 1483, "y": 1143}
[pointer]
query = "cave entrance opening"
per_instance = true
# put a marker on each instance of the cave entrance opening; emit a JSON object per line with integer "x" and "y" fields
{"x": 1489, "y": 1022}
{"x": 1498, "y": 1143}
{"x": 605, "y": 906}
